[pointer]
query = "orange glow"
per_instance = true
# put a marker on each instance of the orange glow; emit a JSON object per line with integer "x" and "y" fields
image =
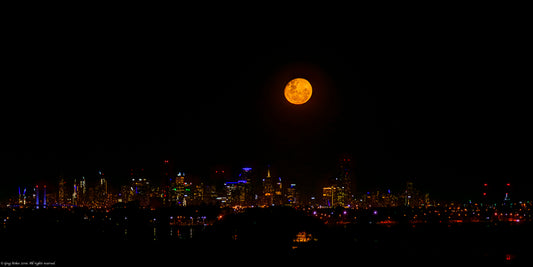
{"x": 298, "y": 91}
{"x": 302, "y": 237}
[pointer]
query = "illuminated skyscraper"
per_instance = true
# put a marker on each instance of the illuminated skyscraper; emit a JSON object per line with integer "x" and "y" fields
{"x": 236, "y": 193}
{"x": 327, "y": 194}
{"x": 341, "y": 183}
{"x": 180, "y": 191}
{"x": 166, "y": 174}
{"x": 81, "y": 193}
{"x": 291, "y": 196}
{"x": 44, "y": 197}
{"x": 268, "y": 192}
{"x": 138, "y": 188}
{"x": 279, "y": 198}
{"x": 252, "y": 187}
{"x": 218, "y": 190}
{"x": 75, "y": 193}
{"x": 333, "y": 196}
{"x": 62, "y": 194}
{"x": 409, "y": 192}
{"x": 37, "y": 198}
{"x": 101, "y": 189}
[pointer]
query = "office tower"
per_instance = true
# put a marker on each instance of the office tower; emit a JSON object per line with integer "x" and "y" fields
{"x": 198, "y": 193}
{"x": 217, "y": 189}
{"x": 409, "y": 192}
{"x": 82, "y": 192}
{"x": 166, "y": 173}
{"x": 241, "y": 192}
{"x": 44, "y": 197}
{"x": 250, "y": 189}
{"x": 24, "y": 196}
{"x": 101, "y": 194}
{"x": 345, "y": 181}
{"x": 327, "y": 195}
{"x": 20, "y": 198}
{"x": 140, "y": 191}
{"x": 341, "y": 183}
{"x": 138, "y": 188}
{"x": 236, "y": 193}
{"x": 75, "y": 194}
{"x": 278, "y": 193}
{"x": 333, "y": 196}
{"x": 37, "y": 198}
{"x": 268, "y": 192}
{"x": 62, "y": 195}
{"x": 179, "y": 191}
{"x": 292, "y": 199}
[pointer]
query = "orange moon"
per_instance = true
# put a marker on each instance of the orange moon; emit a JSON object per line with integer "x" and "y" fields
{"x": 298, "y": 91}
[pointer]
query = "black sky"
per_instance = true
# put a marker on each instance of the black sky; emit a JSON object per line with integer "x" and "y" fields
{"x": 440, "y": 101}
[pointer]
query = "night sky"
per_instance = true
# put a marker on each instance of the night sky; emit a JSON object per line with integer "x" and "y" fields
{"x": 441, "y": 102}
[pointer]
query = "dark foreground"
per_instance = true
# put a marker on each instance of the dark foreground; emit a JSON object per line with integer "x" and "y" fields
{"x": 259, "y": 236}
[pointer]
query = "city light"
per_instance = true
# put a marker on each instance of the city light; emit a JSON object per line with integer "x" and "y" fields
{"x": 182, "y": 206}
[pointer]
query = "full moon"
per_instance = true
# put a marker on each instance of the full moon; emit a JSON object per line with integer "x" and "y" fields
{"x": 298, "y": 91}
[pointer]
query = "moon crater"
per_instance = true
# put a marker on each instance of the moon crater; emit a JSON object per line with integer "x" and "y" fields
{"x": 298, "y": 91}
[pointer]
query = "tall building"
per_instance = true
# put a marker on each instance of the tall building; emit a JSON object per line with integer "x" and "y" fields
{"x": 44, "y": 197}
{"x": 37, "y": 198}
{"x": 62, "y": 192}
{"x": 20, "y": 198}
{"x": 409, "y": 193}
{"x": 243, "y": 192}
{"x": 413, "y": 197}
{"x": 75, "y": 194}
{"x": 140, "y": 188}
{"x": 268, "y": 191}
{"x": 341, "y": 183}
{"x": 237, "y": 193}
{"x": 327, "y": 195}
{"x": 279, "y": 197}
{"x": 166, "y": 173}
{"x": 291, "y": 196}
{"x": 101, "y": 190}
{"x": 81, "y": 194}
{"x": 179, "y": 190}
{"x": 24, "y": 201}
{"x": 333, "y": 196}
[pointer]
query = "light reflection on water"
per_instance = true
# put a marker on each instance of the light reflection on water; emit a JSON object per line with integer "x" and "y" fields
{"x": 183, "y": 232}
{"x": 172, "y": 233}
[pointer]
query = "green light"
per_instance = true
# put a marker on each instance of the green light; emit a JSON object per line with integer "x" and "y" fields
{"x": 187, "y": 189}
{"x": 174, "y": 189}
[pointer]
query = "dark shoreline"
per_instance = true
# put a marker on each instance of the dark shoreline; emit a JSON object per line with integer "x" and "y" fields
{"x": 260, "y": 235}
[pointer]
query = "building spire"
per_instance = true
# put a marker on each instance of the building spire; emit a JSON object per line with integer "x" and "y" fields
{"x": 268, "y": 171}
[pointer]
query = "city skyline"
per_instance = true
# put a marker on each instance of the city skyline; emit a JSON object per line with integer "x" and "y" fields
{"x": 206, "y": 139}
{"x": 399, "y": 115}
{"x": 257, "y": 187}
